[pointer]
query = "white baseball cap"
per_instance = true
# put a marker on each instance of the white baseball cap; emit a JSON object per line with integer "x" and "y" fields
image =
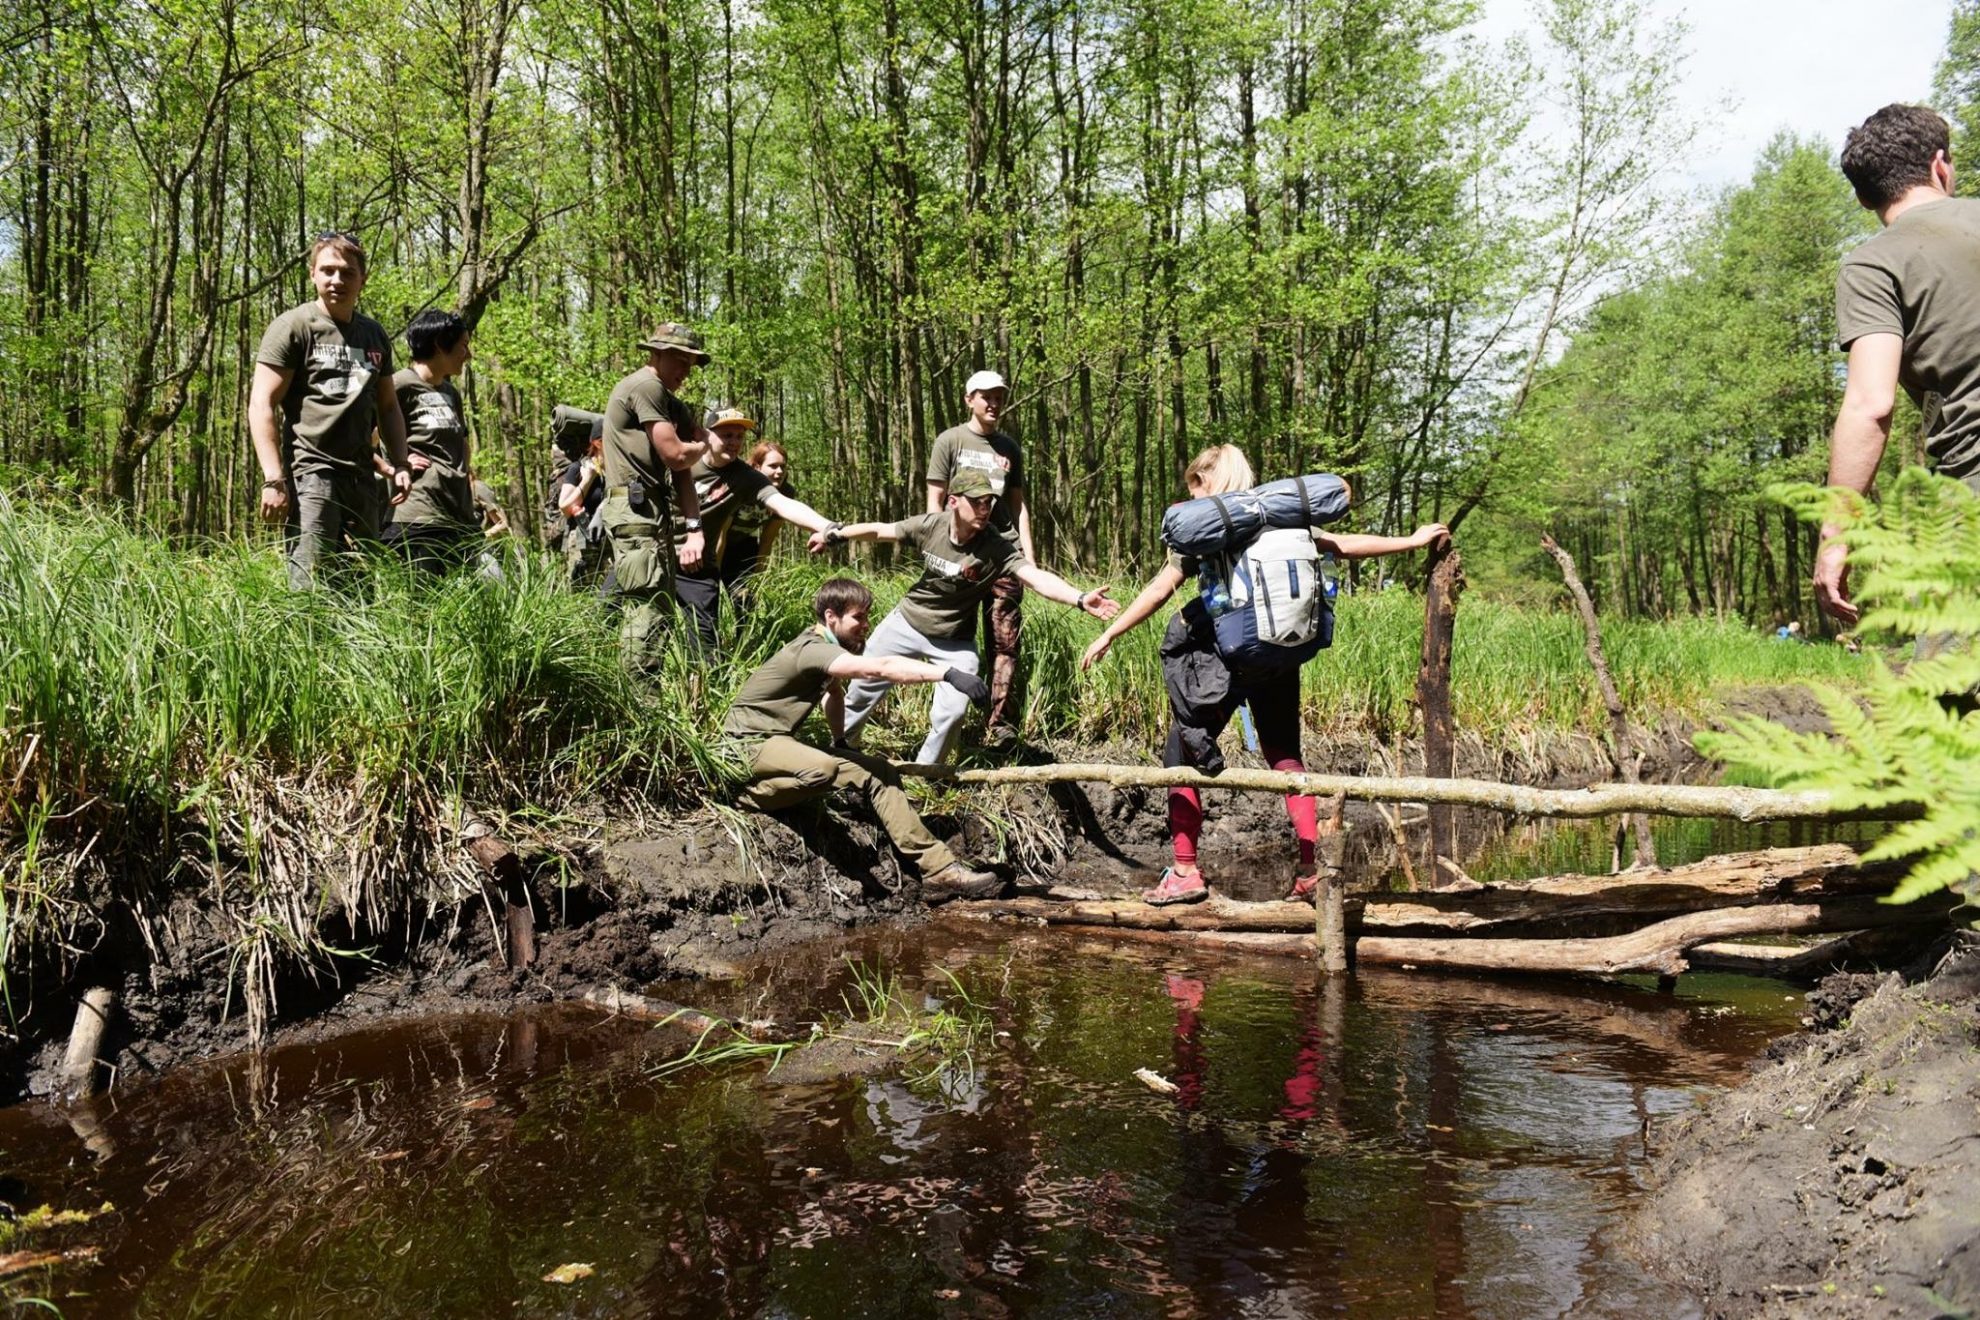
{"x": 983, "y": 380}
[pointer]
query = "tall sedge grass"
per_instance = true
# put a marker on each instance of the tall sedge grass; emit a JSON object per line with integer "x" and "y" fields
{"x": 173, "y": 717}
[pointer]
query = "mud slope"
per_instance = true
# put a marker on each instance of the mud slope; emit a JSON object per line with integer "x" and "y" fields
{"x": 1845, "y": 1179}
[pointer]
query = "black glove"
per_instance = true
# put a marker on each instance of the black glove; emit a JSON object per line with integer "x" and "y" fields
{"x": 969, "y": 685}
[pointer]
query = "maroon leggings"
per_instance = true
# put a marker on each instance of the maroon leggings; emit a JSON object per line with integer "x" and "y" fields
{"x": 1274, "y": 703}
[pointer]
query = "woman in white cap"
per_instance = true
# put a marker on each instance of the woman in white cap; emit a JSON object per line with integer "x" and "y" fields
{"x": 981, "y": 444}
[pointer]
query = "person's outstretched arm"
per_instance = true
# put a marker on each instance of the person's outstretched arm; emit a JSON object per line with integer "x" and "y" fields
{"x": 1160, "y": 587}
{"x": 899, "y": 669}
{"x": 870, "y": 531}
{"x": 796, "y": 511}
{"x": 1053, "y": 587}
{"x": 1350, "y": 545}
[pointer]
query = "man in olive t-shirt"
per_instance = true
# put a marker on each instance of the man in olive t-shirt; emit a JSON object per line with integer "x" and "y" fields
{"x": 962, "y": 556}
{"x": 775, "y": 701}
{"x": 980, "y": 443}
{"x": 1908, "y": 313}
{"x": 322, "y": 381}
{"x": 652, "y": 440}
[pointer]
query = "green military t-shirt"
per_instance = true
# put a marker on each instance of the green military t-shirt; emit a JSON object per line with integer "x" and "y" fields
{"x": 436, "y": 429}
{"x": 638, "y": 401}
{"x": 998, "y": 456}
{"x": 724, "y": 492}
{"x": 1916, "y": 279}
{"x": 785, "y": 688}
{"x": 942, "y": 602}
{"x": 331, "y": 405}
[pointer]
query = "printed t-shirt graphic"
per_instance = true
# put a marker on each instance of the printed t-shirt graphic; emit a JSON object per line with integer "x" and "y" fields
{"x": 436, "y": 429}
{"x": 331, "y": 405}
{"x": 996, "y": 455}
{"x": 942, "y": 602}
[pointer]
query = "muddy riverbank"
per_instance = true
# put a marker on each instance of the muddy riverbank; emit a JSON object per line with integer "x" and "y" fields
{"x": 1839, "y": 1181}
{"x": 630, "y": 900}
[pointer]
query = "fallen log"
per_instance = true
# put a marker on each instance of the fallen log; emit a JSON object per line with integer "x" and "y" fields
{"x": 1795, "y": 962}
{"x": 1770, "y": 875}
{"x": 627, "y": 1004}
{"x": 1719, "y": 801}
{"x": 1658, "y": 948}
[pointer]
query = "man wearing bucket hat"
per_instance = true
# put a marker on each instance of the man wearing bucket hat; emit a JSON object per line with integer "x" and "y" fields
{"x": 651, "y": 516}
{"x": 962, "y": 557}
{"x": 723, "y": 486}
{"x": 980, "y": 445}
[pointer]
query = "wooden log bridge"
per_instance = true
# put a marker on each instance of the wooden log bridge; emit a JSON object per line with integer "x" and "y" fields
{"x": 1709, "y": 800}
{"x": 1594, "y": 924}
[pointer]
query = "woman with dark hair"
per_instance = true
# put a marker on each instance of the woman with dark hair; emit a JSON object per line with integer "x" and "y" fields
{"x": 753, "y": 530}
{"x": 438, "y": 527}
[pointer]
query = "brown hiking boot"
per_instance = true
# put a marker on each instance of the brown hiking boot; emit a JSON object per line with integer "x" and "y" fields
{"x": 958, "y": 881}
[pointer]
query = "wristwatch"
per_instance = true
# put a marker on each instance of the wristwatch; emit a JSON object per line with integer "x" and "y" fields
{"x": 691, "y": 524}
{"x": 835, "y": 534}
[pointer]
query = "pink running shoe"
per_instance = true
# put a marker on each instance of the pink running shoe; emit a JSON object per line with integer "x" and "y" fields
{"x": 1176, "y": 888}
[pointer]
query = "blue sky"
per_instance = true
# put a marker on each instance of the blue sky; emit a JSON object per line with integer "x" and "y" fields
{"x": 1758, "y": 66}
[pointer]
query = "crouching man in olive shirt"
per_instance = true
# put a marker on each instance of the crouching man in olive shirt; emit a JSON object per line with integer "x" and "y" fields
{"x": 962, "y": 557}
{"x": 775, "y": 701}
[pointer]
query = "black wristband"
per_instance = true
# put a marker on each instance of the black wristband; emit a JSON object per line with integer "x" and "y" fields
{"x": 276, "y": 483}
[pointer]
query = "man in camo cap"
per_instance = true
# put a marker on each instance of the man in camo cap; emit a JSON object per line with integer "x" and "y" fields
{"x": 652, "y": 440}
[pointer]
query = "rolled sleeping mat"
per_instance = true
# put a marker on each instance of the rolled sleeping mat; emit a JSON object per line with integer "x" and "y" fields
{"x": 1217, "y": 523}
{"x": 570, "y": 429}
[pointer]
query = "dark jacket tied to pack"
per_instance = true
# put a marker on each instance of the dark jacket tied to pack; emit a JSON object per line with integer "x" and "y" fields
{"x": 570, "y": 439}
{"x": 1263, "y": 589}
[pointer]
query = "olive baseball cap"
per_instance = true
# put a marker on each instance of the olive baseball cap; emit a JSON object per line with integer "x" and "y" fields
{"x": 673, "y": 335}
{"x": 730, "y": 417}
{"x": 974, "y": 482}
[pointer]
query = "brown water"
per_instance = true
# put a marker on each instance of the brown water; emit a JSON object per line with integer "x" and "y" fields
{"x": 1397, "y": 1145}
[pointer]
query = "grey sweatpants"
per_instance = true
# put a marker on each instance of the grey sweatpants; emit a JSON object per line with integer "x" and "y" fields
{"x": 896, "y": 636}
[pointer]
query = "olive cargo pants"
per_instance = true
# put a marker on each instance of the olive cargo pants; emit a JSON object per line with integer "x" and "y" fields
{"x": 643, "y": 578}
{"x": 787, "y": 772}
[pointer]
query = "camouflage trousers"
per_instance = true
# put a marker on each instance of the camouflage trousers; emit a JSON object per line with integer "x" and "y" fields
{"x": 1003, "y": 632}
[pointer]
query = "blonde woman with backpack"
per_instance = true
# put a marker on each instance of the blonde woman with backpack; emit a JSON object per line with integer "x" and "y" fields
{"x": 1205, "y": 691}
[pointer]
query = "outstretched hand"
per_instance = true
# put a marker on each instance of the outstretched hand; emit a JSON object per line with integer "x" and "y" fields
{"x": 1097, "y": 603}
{"x": 1095, "y": 653}
{"x": 821, "y": 541}
{"x": 968, "y": 684}
{"x": 1430, "y": 534}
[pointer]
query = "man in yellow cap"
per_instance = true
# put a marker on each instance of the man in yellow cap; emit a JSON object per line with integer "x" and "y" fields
{"x": 651, "y": 516}
{"x": 723, "y": 485}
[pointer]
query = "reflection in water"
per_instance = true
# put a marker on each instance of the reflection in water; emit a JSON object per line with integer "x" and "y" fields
{"x": 1387, "y": 1146}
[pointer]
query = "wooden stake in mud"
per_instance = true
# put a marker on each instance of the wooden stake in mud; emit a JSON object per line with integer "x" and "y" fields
{"x": 1329, "y": 903}
{"x": 504, "y": 876}
{"x": 1433, "y": 694}
{"x": 1646, "y": 852}
{"x": 79, "y": 1065}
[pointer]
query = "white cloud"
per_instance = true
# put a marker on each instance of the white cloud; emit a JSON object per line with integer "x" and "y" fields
{"x": 1755, "y": 67}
